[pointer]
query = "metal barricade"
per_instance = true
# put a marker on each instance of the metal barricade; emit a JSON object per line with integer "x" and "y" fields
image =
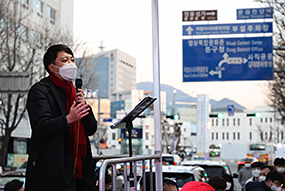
{"x": 127, "y": 181}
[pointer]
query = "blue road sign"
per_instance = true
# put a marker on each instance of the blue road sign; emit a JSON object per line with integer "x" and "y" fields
{"x": 256, "y": 13}
{"x": 136, "y": 133}
{"x": 227, "y": 59}
{"x": 231, "y": 28}
{"x": 231, "y": 110}
{"x": 107, "y": 120}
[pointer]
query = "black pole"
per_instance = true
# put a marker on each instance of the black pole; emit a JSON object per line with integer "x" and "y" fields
{"x": 129, "y": 125}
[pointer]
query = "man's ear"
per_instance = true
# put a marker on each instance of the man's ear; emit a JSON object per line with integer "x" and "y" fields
{"x": 51, "y": 67}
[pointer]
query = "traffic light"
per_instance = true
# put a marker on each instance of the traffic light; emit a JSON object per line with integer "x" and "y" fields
{"x": 219, "y": 115}
{"x": 176, "y": 116}
{"x": 257, "y": 115}
{"x": 119, "y": 140}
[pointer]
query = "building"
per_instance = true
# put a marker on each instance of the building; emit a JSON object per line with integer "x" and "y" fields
{"x": 245, "y": 127}
{"x": 114, "y": 71}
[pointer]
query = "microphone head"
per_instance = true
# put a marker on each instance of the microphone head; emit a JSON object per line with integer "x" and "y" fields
{"x": 78, "y": 83}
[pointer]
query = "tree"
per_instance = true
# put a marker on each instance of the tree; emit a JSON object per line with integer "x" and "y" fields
{"x": 277, "y": 86}
{"x": 22, "y": 44}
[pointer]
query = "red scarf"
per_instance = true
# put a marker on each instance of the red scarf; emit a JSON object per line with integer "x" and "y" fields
{"x": 78, "y": 142}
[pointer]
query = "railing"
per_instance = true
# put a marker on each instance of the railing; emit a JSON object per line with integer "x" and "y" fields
{"x": 134, "y": 159}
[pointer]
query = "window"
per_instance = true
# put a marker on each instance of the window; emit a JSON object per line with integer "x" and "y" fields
{"x": 261, "y": 120}
{"x": 146, "y": 136}
{"x": 21, "y": 147}
{"x": 22, "y": 32}
{"x": 265, "y": 135}
{"x": 234, "y": 121}
{"x": 234, "y": 136}
{"x": 238, "y": 135}
{"x": 250, "y": 121}
{"x": 24, "y": 3}
{"x": 265, "y": 120}
{"x": 238, "y": 121}
{"x": 38, "y": 8}
{"x": 270, "y": 119}
{"x": 113, "y": 136}
{"x": 146, "y": 147}
{"x": 282, "y": 136}
{"x": 223, "y": 136}
{"x": 228, "y": 122}
{"x": 51, "y": 14}
{"x": 217, "y": 134}
{"x": 212, "y": 136}
{"x": 213, "y": 122}
{"x": 250, "y": 135}
{"x": 223, "y": 122}
{"x": 227, "y": 136}
{"x": 217, "y": 122}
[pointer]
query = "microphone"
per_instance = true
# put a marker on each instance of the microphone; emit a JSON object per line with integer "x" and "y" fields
{"x": 78, "y": 84}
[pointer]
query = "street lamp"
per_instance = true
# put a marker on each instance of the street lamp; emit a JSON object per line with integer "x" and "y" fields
{"x": 173, "y": 108}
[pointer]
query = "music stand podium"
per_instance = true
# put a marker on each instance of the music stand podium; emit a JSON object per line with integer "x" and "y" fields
{"x": 127, "y": 121}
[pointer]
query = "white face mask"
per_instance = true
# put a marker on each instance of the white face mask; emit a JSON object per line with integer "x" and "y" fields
{"x": 247, "y": 165}
{"x": 228, "y": 186}
{"x": 275, "y": 188}
{"x": 280, "y": 169}
{"x": 255, "y": 173}
{"x": 68, "y": 71}
{"x": 262, "y": 178}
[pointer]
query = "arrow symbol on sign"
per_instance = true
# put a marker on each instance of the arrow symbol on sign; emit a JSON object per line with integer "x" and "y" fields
{"x": 211, "y": 13}
{"x": 245, "y": 60}
{"x": 189, "y": 30}
{"x": 212, "y": 73}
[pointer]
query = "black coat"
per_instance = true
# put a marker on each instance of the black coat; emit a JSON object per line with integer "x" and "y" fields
{"x": 256, "y": 186}
{"x": 50, "y": 163}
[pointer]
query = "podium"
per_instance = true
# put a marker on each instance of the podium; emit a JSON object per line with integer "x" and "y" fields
{"x": 127, "y": 121}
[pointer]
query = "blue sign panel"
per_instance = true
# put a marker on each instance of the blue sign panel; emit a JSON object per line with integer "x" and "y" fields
{"x": 227, "y": 59}
{"x": 136, "y": 133}
{"x": 257, "y": 13}
{"x": 232, "y": 28}
{"x": 231, "y": 110}
{"x": 107, "y": 120}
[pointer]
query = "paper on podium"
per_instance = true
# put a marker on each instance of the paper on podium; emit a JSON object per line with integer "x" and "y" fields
{"x": 142, "y": 105}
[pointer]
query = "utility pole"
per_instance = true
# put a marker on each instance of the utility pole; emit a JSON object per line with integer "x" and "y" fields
{"x": 98, "y": 123}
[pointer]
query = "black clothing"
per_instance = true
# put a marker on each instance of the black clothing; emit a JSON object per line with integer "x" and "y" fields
{"x": 256, "y": 186}
{"x": 50, "y": 163}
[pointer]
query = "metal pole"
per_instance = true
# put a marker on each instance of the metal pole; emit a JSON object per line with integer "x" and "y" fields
{"x": 173, "y": 108}
{"x": 156, "y": 92}
{"x": 98, "y": 123}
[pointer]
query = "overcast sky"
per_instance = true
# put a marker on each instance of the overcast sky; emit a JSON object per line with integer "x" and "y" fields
{"x": 127, "y": 25}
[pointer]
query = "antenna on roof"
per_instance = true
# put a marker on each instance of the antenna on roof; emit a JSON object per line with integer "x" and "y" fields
{"x": 101, "y": 47}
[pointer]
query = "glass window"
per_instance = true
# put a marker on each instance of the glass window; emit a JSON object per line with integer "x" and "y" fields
{"x": 212, "y": 136}
{"x": 217, "y": 136}
{"x": 227, "y": 136}
{"x": 261, "y": 120}
{"x": 113, "y": 136}
{"x": 250, "y": 135}
{"x": 270, "y": 119}
{"x": 250, "y": 121}
{"x": 22, "y": 32}
{"x": 24, "y": 3}
{"x": 51, "y": 14}
{"x": 234, "y": 121}
{"x": 223, "y": 122}
{"x": 265, "y": 120}
{"x": 213, "y": 122}
{"x": 238, "y": 121}
{"x": 37, "y": 38}
{"x": 146, "y": 136}
{"x": 217, "y": 122}
{"x": 38, "y": 8}
{"x": 21, "y": 147}
{"x": 238, "y": 135}
{"x": 228, "y": 122}
{"x": 234, "y": 136}
{"x": 223, "y": 136}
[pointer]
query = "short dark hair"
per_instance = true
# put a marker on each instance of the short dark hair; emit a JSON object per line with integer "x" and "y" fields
{"x": 265, "y": 166}
{"x": 51, "y": 54}
{"x": 257, "y": 164}
{"x": 13, "y": 185}
{"x": 170, "y": 182}
{"x": 274, "y": 175}
{"x": 217, "y": 182}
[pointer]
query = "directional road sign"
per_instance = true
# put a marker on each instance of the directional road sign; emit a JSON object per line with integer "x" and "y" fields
{"x": 256, "y": 13}
{"x": 136, "y": 133}
{"x": 199, "y": 15}
{"x": 232, "y": 28}
{"x": 227, "y": 59}
{"x": 231, "y": 110}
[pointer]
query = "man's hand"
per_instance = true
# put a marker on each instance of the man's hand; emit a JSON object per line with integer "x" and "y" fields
{"x": 77, "y": 112}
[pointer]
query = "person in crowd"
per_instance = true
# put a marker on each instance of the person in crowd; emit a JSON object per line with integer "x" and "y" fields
{"x": 255, "y": 171}
{"x": 108, "y": 182}
{"x": 14, "y": 185}
{"x": 244, "y": 174}
{"x": 197, "y": 186}
{"x": 59, "y": 152}
{"x": 229, "y": 182}
{"x": 217, "y": 182}
{"x": 279, "y": 166}
{"x": 273, "y": 182}
{"x": 264, "y": 170}
{"x": 169, "y": 185}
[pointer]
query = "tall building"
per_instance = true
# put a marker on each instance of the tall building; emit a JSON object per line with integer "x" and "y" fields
{"x": 116, "y": 72}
